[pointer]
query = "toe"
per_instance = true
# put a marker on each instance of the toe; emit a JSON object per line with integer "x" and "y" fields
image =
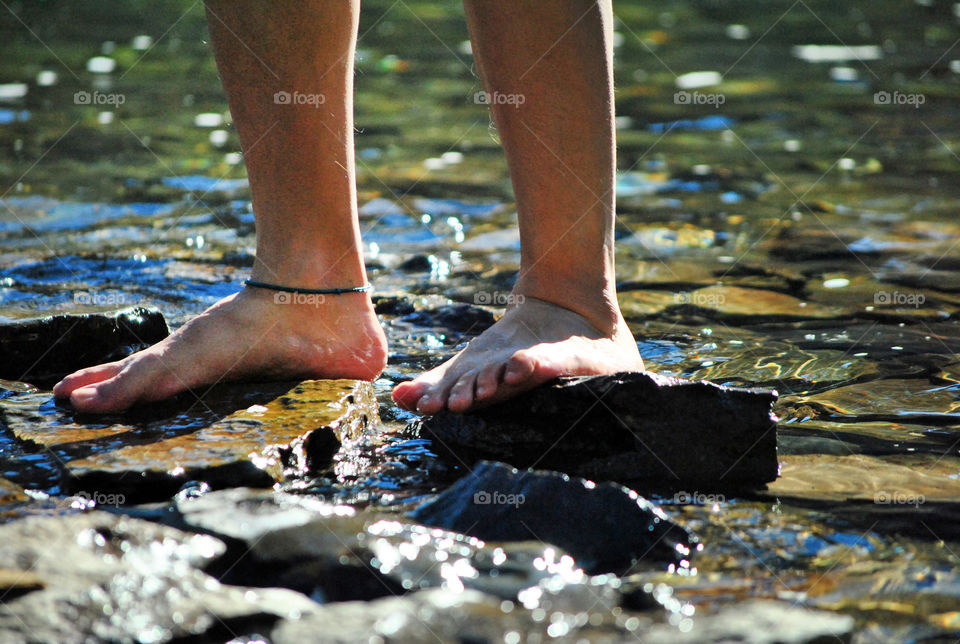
{"x": 140, "y": 380}
{"x": 432, "y": 400}
{"x": 520, "y": 367}
{"x": 103, "y": 397}
{"x": 489, "y": 380}
{"x": 408, "y": 394}
{"x": 84, "y": 377}
{"x": 462, "y": 393}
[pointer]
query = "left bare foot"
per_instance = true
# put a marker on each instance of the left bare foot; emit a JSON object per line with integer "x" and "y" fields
{"x": 532, "y": 343}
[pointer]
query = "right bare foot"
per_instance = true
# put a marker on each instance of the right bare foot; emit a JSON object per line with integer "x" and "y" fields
{"x": 246, "y": 334}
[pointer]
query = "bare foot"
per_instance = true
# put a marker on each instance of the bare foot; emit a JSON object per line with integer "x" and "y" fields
{"x": 532, "y": 343}
{"x": 246, "y": 334}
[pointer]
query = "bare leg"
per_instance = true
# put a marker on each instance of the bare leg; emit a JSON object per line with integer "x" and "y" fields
{"x": 300, "y": 162}
{"x": 560, "y": 147}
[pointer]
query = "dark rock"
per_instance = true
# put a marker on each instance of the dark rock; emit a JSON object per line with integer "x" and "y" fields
{"x": 392, "y": 305}
{"x": 99, "y": 577}
{"x": 463, "y": 318}
{"x": 415, "y": 264}
{"x": 44, "y": 350}
{"x": 605, "y": 527}
{"x": 623, "y": 427}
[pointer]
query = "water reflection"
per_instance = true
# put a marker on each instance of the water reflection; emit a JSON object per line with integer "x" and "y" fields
{"x": 800, "y": 236}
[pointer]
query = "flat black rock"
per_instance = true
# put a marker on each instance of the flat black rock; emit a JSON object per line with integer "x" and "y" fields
{"x": 605, "y": 527}
{"x": 43, "y": 350}
{"x": 665, "y": 431}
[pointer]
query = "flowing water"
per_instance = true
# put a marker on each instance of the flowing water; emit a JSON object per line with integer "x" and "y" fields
{"x": 791, "y": 227}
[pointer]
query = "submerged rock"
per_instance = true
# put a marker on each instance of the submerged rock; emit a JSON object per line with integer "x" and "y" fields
{"x": 624, "y": 427}
{"x": 442, "y": 616}
{"x": 471, "y": 616}
{"x": 44, "y": 350}
{"x": 757, "y": 622}
{"x": 100, "y": 577}
{"x": 606, "y": 527}
{"x": 334, "y": 553}
{"x": 462, "y": 318}
{"x": 242, "y": 434}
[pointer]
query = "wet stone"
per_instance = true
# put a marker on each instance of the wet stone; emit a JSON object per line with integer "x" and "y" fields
{"x": 462, "y": 318}
{"x": 606, "y": 527}
{"x": 44, "y": 350}
{"x": 903, "y": 480}
{"x": 392, "y": 305}
{"x": 99, "y": 577}
{"x": 335, "y": 553}
{"x": 736, "y": 304}
{"x": 758, "y": 622}
{"x": 295, "y": 433}
{"x": 443, "y": 616}
{"x": 272, "y": 432}
{"x": 415, "y": 264}
{"x": 622, "y": 427}
{"x": 897, "y": 400}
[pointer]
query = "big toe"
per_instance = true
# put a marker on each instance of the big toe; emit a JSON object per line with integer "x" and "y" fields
{"x": 103, "y": 397}
{"x": 408, "y": 394}
{"x": 84, "y": 377}
{"x": 142, "y": 380}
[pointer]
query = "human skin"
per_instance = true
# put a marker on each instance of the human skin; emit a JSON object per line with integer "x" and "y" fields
{"x": 560, "y": 149}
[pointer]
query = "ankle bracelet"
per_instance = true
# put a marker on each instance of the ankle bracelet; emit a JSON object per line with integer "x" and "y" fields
{"x": 308, "y": 291}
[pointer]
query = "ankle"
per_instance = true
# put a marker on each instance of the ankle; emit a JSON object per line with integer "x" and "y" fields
{"x": 598, "y": 305}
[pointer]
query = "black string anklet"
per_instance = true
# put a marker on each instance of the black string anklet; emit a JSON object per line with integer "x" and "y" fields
{"x": 308, "y": 291}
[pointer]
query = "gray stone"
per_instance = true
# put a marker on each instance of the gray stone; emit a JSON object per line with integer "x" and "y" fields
{"x": 101, "y": 577}
{"x": 624, "y": 427}
{"x": 757, "y": 622}
{"x": 335, "y": 553}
